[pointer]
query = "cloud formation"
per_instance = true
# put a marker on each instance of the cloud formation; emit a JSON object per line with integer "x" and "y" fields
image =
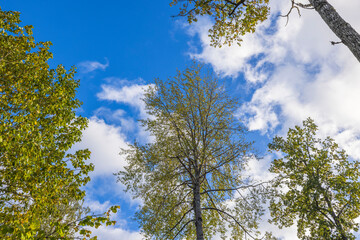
{"x": 128, "y": 94}
{"x": 105, "y": 142}
{"x": 91, "y": 66}
{"x": 294, "y": 73}
{"x": 111, "y": 233}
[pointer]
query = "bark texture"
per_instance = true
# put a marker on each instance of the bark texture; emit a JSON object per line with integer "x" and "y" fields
{"x": 338, "y": 25}
{"x": 198, "y": 215}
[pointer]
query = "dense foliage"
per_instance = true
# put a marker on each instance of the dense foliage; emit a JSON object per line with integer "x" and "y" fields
{"x": 232, "y": 18}
{"x": 40, "y": 183}
{"x": 319, "y": 186}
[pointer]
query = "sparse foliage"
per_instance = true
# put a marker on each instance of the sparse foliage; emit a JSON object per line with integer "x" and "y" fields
{"x": 190, "y": 178}
{"x": 319, "y": 186}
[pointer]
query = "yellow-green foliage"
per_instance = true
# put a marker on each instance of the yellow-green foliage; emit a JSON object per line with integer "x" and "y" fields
{"x": 38, "y": 125}
{"x": 319, "y": 186}
{"x": 198, "y": 142}
{"x": 232, "y": 18}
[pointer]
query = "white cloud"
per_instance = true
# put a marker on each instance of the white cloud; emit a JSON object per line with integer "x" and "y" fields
{"x": 90, "y": 66}
{"x": 111, "y": 233}
{"x": 289, "y": 233}
{"x": 307, "y": 75}
{"x": 295, "y": 73}
{"x": 105, "y": 142}
{"x": 131, "y": 95}
{"x": 119, "y": 231}
{"x": 257, "y": 169}
{"x": 119, "y": 117}
{"x": 226, "y": 60}
{"x": 97, "y": 207}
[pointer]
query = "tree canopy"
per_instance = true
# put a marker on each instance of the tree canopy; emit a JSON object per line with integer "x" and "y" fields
{"x": 234, "y": 18}
{"x": 190, "y": 176}
{"x": 319, "y": 186}
{"x": 38, "y": 126}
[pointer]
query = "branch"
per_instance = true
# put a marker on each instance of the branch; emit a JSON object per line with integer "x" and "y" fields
{"x": 220, "y": 164}
{"x": 234, "y": 189}
{"x": 192, "y": 220}
{"x": 221, "y": 211}
{"x": 212, "y": 202}
{"x": 229, "y": 215}
{"x": 187, "y": 169}
{"x": 76, "y": 221}
{"x": 296, "y": 5}
{"x": 228, "y": 1}
{"x": 236, "y": 6}
{"x": 167, "y": 194}
{"x": 179, "y": 203}
{"x": 343, "y": 208}
{"x": 334, "y": 43}
{"x": 321, "y": 210}
{"x": 182, "y": 218}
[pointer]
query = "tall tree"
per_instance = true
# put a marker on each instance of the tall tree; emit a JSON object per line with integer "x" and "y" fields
{"x": 38, "y": 126}
{"x": 323, "y": 189}
{"x": 190, "y": 177}
{"x": 234, "y": 18}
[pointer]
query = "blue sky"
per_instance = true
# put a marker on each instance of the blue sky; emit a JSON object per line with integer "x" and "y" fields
{"x": 282, "y": 74}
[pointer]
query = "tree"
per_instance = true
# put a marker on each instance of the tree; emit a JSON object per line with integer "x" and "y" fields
{"x": 190, "y": 177}
{"x": 38, "y": 125}
{"x": 70, "y": 214}
{"x": 343, "y": 30}
{"x": 322, "y": 186}
{"x": 234, "y": 18}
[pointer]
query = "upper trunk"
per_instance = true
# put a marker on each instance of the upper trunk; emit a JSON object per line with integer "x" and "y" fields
{"x": 198, "y": 216}
{"x": 338, "y": 25}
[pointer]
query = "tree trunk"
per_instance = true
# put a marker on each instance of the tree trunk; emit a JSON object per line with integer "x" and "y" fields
{"x": 338, "y": 25}
{"x": 198, "y": 216}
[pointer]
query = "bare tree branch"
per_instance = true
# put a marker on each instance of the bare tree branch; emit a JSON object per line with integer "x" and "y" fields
{"x": 296, "y": 5}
